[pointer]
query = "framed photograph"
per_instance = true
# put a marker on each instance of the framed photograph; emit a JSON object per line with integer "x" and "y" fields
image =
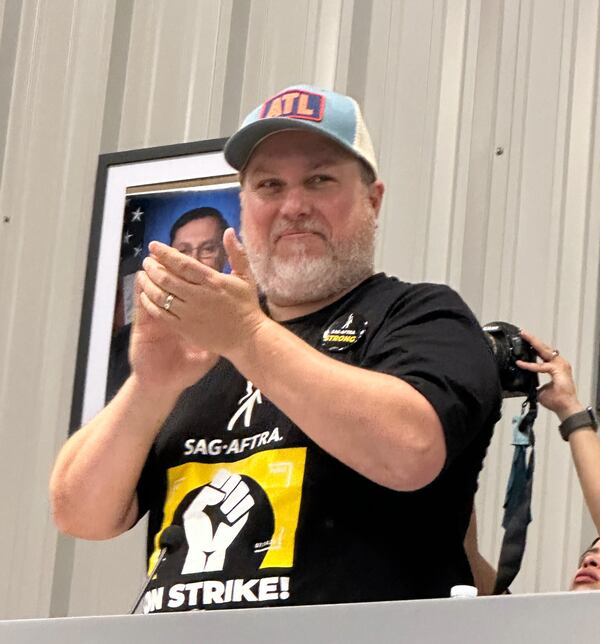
{"x": 183, "y": 195}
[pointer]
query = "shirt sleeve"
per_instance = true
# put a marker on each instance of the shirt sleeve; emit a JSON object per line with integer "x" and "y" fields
{"x": 431, "y": 340}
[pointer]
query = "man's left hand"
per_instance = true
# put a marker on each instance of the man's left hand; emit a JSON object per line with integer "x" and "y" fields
{"x": 209, "y": 309}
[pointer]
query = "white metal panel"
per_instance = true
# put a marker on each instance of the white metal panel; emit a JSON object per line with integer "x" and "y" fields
{"x": 175, "y": 72}
{"x": 289, "y": 43}
{"x": 401, "y": 108}
{"x": 446, "y": 223}
{"x": 498, "y": 250}
{"x": 50, "y": 158}
{"x": 527, "y": 253}
{"x": 572, "y": 309}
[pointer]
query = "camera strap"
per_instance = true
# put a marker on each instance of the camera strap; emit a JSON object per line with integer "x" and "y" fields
{"x": 517, "y": 503}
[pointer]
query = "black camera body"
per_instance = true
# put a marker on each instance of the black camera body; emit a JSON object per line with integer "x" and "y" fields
{"x": 508, "y": 346}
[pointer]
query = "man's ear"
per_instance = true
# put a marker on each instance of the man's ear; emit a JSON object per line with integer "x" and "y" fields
{"x": 376, "y": 190}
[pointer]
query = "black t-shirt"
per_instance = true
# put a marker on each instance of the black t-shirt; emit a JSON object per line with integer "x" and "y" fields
{"x": 272, "y": 519}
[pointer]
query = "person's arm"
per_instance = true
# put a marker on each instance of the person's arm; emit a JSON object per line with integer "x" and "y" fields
{"x": 560, "y": 396}
{"x": 585, "y": 449}
{"x": 376, "y": 423}
{"x": 93, "y": 484}
{"x": 484, "y": 574}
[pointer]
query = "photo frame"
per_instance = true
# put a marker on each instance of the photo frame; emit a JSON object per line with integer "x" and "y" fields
{"x": 162, "y": 194}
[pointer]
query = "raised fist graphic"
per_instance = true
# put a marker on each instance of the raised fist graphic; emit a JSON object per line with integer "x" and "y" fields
{"x": 208, "y": 539}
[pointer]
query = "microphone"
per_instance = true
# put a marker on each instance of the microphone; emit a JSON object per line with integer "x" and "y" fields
{"x": 171, "y": 540}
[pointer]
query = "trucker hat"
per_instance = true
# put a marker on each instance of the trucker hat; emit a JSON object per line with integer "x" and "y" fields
{"x": 303, "y": 107}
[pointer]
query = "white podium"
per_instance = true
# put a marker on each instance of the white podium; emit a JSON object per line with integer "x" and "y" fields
{"x": 558, "y": 618}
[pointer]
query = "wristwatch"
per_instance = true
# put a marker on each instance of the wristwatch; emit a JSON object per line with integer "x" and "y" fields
{"x": 581, "y": 419}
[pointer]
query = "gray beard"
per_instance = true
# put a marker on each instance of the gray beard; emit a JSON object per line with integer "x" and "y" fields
{"x": 303, "y": 278}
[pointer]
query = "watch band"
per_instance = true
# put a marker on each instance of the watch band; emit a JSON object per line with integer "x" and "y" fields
{"x": 581, "y": 419}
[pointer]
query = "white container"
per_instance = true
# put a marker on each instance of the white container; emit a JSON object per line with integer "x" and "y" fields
{"x": 463, "y": 591}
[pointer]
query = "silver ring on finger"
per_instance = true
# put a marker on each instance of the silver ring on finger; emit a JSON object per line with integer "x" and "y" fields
{"x": 168, "y": 301}
{"x": 555, "y": 353}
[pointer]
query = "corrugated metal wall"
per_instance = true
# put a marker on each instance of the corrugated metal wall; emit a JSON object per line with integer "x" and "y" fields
{"x": 446, "y": 84}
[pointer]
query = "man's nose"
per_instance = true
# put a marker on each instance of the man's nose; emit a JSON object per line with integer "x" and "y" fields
{"x": 296, "y": 202}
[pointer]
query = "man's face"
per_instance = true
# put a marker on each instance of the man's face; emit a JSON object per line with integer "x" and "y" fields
{"x": 587, "y": 576}
{"x": 202, "y": 239}
{"x": 308, "y": 219}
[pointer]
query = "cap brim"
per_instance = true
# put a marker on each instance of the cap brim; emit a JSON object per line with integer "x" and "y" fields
{"x": 241, "y": 145}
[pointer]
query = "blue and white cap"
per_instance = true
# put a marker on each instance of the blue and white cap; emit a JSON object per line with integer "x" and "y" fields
{"x": 302, "y": 107}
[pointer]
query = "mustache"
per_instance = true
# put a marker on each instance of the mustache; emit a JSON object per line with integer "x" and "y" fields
{"x": 301, "y": 226}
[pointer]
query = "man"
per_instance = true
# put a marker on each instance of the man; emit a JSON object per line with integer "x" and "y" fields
{"x": 197, "y": 233}
{"x": 317, "y": 448}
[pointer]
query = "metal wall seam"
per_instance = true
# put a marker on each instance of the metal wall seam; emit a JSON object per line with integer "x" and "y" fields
{"x": 135, "y": 115}
{"x": 435, "y": 71}
{"x": 459, "y": 253}
{"x": 510, "y": 46}
{"x": 43, "y": 307}
{"x": 553, "y": 459}
{"x": 444, "y": 186}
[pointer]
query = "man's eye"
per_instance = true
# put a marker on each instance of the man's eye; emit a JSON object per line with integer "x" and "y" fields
{"x": 319, "y": 180}
{"x": 269, "y": 184}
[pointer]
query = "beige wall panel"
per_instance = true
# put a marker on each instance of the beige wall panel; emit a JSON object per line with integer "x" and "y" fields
{"x": 50, "y": 159}
{"x": 465, "y": 258}
{"x": 529, "y": 190}
{"x": 141, "y": 74}
{"x": 328, "y": 23}
{"x": 448, "y": 184}
{"x": 175, "y": 72}
{"x": 547, "y": 164}
{"x": 403, "y": 62}
{"x": 499, "y": 244}
{"x": 288, "y": 43}
{"x": 344, "y": 45}
{"x": 579, "y": 258}
{"x": 108, "y": 575}
{"x": 481, "y": 157}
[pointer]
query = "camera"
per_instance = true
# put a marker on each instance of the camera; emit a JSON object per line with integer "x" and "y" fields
{"x": 508, "y": 346}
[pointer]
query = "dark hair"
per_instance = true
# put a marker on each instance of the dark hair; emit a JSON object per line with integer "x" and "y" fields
{"x": 198, "y": 213}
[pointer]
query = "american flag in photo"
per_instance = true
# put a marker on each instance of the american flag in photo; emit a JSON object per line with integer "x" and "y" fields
{"x": 132, "y": 241}
{"x": 132, "y": 252}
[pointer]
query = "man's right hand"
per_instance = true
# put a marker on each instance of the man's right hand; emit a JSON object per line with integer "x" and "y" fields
{"x": 93, "y": 485}
{"x": 159, "y": 357}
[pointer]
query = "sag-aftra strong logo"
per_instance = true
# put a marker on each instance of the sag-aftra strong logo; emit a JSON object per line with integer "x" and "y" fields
{"x": 295, "y": 104}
